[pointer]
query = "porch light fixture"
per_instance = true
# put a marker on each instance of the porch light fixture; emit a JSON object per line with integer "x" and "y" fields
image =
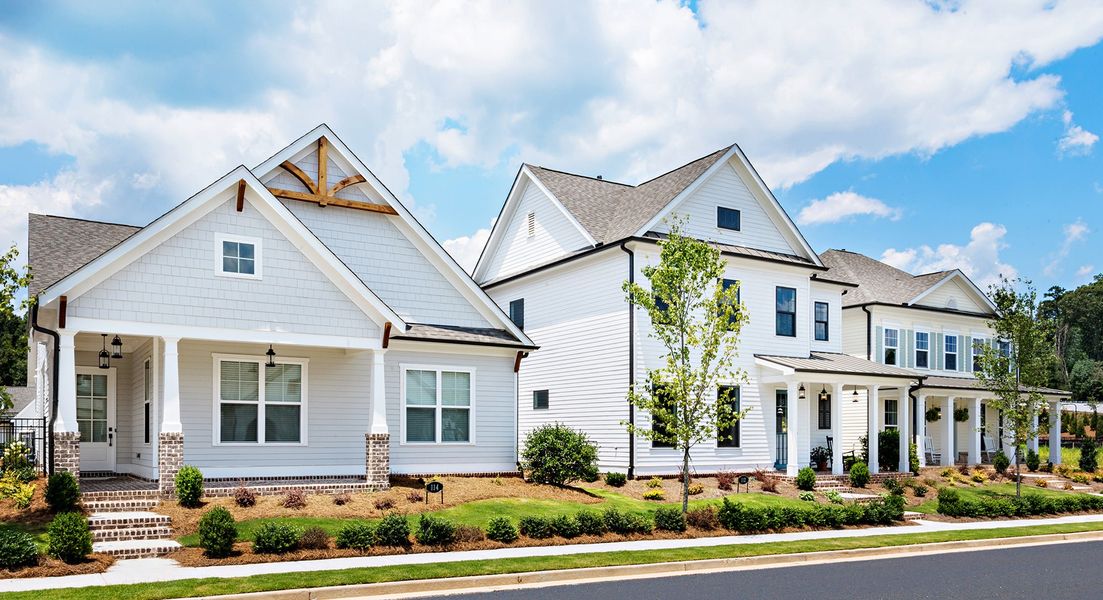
{"x": 271, "y": 354}
{"x": 823, "y": 394}
{"x": 854, "y": 395}
{"x": 800, "y": 392}
{"x": 116, "y": 347}
{"x": 105, "y": 357}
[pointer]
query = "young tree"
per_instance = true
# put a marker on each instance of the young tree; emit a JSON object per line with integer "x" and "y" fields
{"x": 1014, "y": 378}
{"x": 11, "y": 282}
{"x": 697, "y": 321}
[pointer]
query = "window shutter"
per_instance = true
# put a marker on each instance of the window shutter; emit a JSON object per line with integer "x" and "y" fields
{"x": 879, "y": 336}
{"x": 909, "y": 348}
{"x": 938, "y": 351}
{"x": 968, "y": 366}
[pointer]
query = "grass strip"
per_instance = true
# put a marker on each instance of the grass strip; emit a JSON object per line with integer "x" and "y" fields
{"x": 265, "y": 583}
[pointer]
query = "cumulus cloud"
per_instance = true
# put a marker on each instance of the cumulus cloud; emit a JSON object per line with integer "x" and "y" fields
{"x": 1085, "y": 271}
{"x": 1074, "y": 232}
{"x": 979, "y": 258}
{"x": 841, "y": 205}
{"x": 1077, "y": 140}
{"x": 466, "y": 248}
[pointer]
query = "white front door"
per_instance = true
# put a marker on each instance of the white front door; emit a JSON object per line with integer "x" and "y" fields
{"x": 96, "y": 418}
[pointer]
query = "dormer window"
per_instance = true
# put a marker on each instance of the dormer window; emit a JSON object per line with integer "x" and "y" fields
{"x": 238, "y": 256}
{"x": 727, "y": 218}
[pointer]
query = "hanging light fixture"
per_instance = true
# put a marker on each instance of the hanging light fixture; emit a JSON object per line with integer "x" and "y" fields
{"x": 105, "y": 357}
{"x": 271, "y": 354}
{"x": 823, "y": 394}
{"x": 800, "y": 392}
{"x": 116, "y": 347}
{"x": 854, "y": 396}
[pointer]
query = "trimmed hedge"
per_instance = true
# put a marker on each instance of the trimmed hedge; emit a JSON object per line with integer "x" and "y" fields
{"x": 951, "y": 504}
{"x": 589, "y": 523}
{"x": 536, "y": 527}
{"x": 358, "y": 536}
{"x": 670, "y": 518}
{"x": 806, "y": 479}
{"x": 501, "y": 529}
{"x": 217, "y": 532}
{"x": 393, "y": 530}
{"x": 616, "y": 479}
{"x": 70, "y": 539}
{"x": 735, "y": 516}
{"x": 435, "y": 531}
{"x": 276, "y": 538}
{"x": 62, "y": 492}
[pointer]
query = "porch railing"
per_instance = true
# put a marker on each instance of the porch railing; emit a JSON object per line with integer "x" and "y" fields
{"x": 32, "y": 432}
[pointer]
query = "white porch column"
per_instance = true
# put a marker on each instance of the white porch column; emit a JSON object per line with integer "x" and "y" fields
{"x": 921, "y": 429}
{"x": 1055, "y": 433}
{"x": 903, "y": 420}
{"x": 948, "y": 458}
{"x": 974, "y": 431}
{"x": 837, "y": 430}
{"x": 170, "y": 419}
{"x": 378, "y": 393}
{"x": 66, "y": 382}
{"x": 874, "y": 428}
{"x": 1034, "y": 443}
{"x": 791, "y": 411}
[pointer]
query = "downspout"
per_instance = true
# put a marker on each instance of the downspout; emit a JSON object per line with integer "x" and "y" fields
{"x": 869, "y": 330}
{"x": 631, "y": 361}
{"x": 53, "y": 386}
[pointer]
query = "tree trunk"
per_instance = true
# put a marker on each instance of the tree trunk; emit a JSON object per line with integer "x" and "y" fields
{"x": 685, "y": 481}
{"x": 1018, "y": 471}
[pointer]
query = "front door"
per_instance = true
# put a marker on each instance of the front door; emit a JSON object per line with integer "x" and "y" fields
{"x": 96, "y": 418}
{"x": 781, "y": 401}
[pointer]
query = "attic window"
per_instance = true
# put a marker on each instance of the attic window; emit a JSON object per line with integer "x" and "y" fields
{"x": 532, "y": 224}
{"x": 727, "y": 218}
{"x": 237, "y": 256}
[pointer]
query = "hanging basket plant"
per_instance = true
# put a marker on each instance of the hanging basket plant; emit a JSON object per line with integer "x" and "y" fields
{"x": 933, "y": 414}
{"x": 961, "y": 415}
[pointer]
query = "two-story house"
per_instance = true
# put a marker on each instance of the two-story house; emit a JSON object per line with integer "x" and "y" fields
{"x": 556, "y": 260}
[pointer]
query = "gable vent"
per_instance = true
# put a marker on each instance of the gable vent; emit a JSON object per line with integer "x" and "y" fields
{"x": 532, "y": 224}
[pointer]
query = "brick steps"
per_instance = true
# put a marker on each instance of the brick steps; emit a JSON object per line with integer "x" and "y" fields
{"x": 131, "y": 534}
{"x": 109, "y": 506}
{"x": 136, "y": 548}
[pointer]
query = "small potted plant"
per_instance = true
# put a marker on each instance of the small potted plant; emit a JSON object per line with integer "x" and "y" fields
{"x": 961, "y": 415}
{"x": 820, "y": 456}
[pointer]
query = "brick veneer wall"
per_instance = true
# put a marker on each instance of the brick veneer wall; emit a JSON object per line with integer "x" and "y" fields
{"x": 378, "y": 457}
{"x": 67, "y": 452}
{"x": 170, "y": 457}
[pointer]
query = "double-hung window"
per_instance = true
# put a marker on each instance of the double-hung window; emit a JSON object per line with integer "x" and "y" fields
{"x": 259, "y": 404}
{"x": 950, "y": 364}
{"x": 890, "y": 413}
{"x": 922, "y": 350}
{"x": 728, "y": 284}
{"x": 786, "y": 306}
{"x": 892, "y": 344}
{"x": 438, "y": 404}
{"x": 238, "y": 256}
{"x": 1004, "y": 348}
{"x": 978, "y": 352}
{"x": 820, "y": 316}
{"x": 728, "y": 437}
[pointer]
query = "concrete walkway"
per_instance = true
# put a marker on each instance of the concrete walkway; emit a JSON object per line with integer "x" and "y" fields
{"x": 145, "y": 570}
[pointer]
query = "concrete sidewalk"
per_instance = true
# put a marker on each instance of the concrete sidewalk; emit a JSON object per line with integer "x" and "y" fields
{"x": 162, "y": 569}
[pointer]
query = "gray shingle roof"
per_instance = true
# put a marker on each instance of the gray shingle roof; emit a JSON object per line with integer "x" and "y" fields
{"x": 745, "y": 251}
{"x": 970, "y": 383}
{"x": 21, "y": 396}
{"x": 833, "y": 362}
{"x": 611, "y": 211}
{"x": 57, "y": 246}
{"x": 450, "y": 333}
{"x": 877, "y": 282}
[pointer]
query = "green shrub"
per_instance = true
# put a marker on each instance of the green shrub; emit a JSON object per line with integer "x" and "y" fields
{"x": 217, "y": 532}
{"x": 70, "y": 539}
{"x": 893, "y": 486}
{"x": 558, "y": 455}
{"x": 752, "y": 519}
{"x": 1032, "y": 460}
{"x": 703, "y": 518}
{"x": 833, "y": 497}
{"x": 393, "y": 530}
{"x": 17, "y": 549}
{"x": 565, "y": 527}
{"x": 501, "y": 529}
{"x": 589, "y": 523}
{"x": 356, "y": 536}
{"x": 806, "y": 479}
{"x": 189, "y": 486}
{"x": 656, "y": 495}
{"x": 920, "y": 490}
{"x": 590, "y": 474}
{"x": 670, "y": 518}
{"x": 1000, "y": 462}
{"x": 808, "y": 496}
{"x": 859, "y": 475}
{"x": 913, "y": 458}
{"x": 17, "y": 461}
{"x": 625, "y": 523}
{"x": 276, "y": 538}
{"x": 1027, "y": 505}
{"x": 536, "y": 527}
{"x": 314, "y": 538}
{"x": 1089, "y": 455}
{"x": 62, "y": 492}
{"x": 655, "y": 482}
{"x": 434, "y": 531}
{"x": 616, "y": 479}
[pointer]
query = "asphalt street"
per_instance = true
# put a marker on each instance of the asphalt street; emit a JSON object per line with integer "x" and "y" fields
{"x": 1054, "y": 572}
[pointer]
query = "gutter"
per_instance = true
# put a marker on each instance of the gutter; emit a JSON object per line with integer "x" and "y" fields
{"x": 631, "y": 360}
{"x": 869, "y": 332}
{"x": 53, "y": 386}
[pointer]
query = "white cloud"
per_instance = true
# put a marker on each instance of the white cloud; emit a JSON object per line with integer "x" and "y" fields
{"x": 466, "y": 249}
{"x": 1085, "y": 271}
{"x": 840, "y": 205}
{"x": 1077, "y": 140}
{"x": 979, "y": 258}
{"x": 65, "y": 194}
{"x": 1074, "y": 232}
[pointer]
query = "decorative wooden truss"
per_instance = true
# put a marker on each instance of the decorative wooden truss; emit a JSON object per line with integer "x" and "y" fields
{"x": 320, "y": 193}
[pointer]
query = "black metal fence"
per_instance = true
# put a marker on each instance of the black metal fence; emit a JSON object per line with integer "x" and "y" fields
{"x": 32, "y": 432}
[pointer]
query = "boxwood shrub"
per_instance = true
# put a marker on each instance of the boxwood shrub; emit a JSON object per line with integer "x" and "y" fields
{"x": 357, "y": 536}
{"x": 589, "y": 523}
{"x": 625, "y": 523}
{"x": 393, "y": 530}
{"x": 70, "y": 539}
{"x": 951, "y": 504}
{"x": 670, "y": 518}
{"x": 62, "y": 492}
{"x": 217, "y": 532}
{"x": 435, "y": 531}
{"x": 276, "y": 538}
{"x": 536, "y": 527}
{"x": 750, "y": 519}
{"x": 189, "y": 486}
{"x": 806, "y": 479}
{"x": 859, "y": 474}
{"x": 565, "y": 526}
{"x": 616, "y": 479}
{"x": 501, "y": 529}
{"x": 17, "y": 549}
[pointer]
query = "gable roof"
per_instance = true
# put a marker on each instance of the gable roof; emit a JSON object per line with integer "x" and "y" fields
{"x": 57, "y": 246}
{"x": 881, "y": 283}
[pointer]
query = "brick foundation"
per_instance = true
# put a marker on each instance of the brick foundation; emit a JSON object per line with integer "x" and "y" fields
{"x": 67, "y": 452}
{"x": 378, "y": 457}
{"x": 170, "y": 457}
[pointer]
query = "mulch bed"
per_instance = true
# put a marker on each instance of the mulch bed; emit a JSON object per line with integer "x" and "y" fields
{"x": 52, "y": 567}
{"x": 38, "y": 513}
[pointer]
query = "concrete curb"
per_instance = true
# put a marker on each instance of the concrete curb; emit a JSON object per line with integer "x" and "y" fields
{"x": 453, "y": 585}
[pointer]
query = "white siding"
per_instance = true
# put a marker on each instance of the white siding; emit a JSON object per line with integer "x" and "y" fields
{"x": 554, "y": 236}
{"x": 725, "y": 188}
{"x": 832, "y": 295}
{"x": 953, "y": 295}
{"x": 855, "y": 340}
{"x": 933, "y": 322}
{"x": 176, "y": 283}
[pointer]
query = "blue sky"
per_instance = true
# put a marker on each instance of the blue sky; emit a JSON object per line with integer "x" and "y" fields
{"x": 931, "y": 135}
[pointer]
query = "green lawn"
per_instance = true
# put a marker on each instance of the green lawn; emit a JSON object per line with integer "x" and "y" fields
{"x": 262, "y": 583}
{"x": 479, "y": 512}
{"x": 1069, "y": 456}
{"x": 990, "y": 490}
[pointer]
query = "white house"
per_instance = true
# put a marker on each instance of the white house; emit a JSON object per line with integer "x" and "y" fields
{"x": 556, "y": 260}
{"x": 292, "y": 320}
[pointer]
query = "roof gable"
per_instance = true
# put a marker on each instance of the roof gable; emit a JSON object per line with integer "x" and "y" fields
{"x": 955, "y": 291}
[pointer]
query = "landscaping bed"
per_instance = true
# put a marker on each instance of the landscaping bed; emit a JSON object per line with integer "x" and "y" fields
{"x": 49, "y": 566}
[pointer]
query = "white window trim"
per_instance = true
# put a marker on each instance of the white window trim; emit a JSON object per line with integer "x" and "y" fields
{"x": 439, "y": 369}
{"x": 241, "y": 239}
{"x": 147, "y": 400}
{"x": 916, "y": 349}
{"x": 885, "y": 344}
{"x": 216, "y": 428}
{"x": 974, "y": 339}
{"x": 830, "y": 314}
{"x": 957, "y": 354}
{"x": 715, "y": 442}
{"x": 885, "y": 413}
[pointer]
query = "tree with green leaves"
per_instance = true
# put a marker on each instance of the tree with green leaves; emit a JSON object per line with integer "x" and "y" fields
{"x": 13, "y": 336}
{"x": 1013, "y": 378}
{"x": 697, "y": 320}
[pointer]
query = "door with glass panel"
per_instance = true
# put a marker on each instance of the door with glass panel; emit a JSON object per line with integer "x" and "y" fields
{"x": 96, "y": 418}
